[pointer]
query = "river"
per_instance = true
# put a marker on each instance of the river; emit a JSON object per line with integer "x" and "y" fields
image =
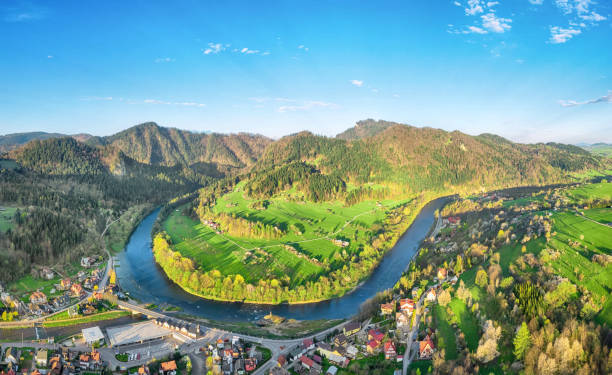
{"x": 145, "y": 281}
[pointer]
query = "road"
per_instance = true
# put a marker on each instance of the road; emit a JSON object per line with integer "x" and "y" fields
{"x": 415, "y": 328}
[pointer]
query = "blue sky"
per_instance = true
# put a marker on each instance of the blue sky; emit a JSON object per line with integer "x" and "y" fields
{"x": 529, "y": 70}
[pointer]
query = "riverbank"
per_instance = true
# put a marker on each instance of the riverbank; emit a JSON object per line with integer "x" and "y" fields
{"x": 144, "y": 280}
{"x": 173, "y": 261}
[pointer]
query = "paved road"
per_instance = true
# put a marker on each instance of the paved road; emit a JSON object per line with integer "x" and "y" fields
{"x": 415, "y": 328}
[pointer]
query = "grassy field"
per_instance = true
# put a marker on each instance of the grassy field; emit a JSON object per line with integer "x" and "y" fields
{"x": 6, "y": 217}
{"x": 86, "y": 319}
{"x": 466, "y": 321}
{"x": 309, "y": 226}
{"x": 591, "y": 191}
{"x": 576, "y": 264}
{"x": 446, "y": 333}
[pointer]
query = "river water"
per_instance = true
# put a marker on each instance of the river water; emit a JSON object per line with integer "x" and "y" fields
{"x": 145, "y": 281}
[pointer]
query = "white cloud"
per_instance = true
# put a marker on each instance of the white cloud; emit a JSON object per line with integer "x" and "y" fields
{"x": 305, "y": 106}
{"x": 49, "y": 56}
{"x": 573, "y": 103}
{"x": 474, "y": 7}
{"x": 214, "y": 48}
{"x": 491, "y": 4}
{"x": 581, "y": 9}
{"x": 164, "y": 60}
{"x": 356, "y": 82}
{"x": 457, "y": 4}
{"x": 301, "y": 46}
{"x": 536, "y": 2}
{"x": 593, "y": 17}
{"x": 559, "y": 35}
{"x": 495, "y": 24}
{"x": 476, "y": 30}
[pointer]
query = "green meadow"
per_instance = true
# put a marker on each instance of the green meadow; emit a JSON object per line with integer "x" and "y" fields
{"x": 6, "y": 218}
{"x": 309, "y": 228}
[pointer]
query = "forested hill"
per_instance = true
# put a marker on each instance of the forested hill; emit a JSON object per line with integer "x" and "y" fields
{"x": 431, "y": 159}
{"x": 150, "y": 143}
{"x": 10, "y": 142}
{"x": 365, "y": 128}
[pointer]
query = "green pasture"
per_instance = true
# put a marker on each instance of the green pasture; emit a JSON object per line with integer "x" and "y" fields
{"x": 317, "y": 222}
{"x": 6, "y": 217}
{"x": 601, "y": 190}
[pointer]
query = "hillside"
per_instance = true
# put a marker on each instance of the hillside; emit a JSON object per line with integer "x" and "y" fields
{"x": 10, "y": 142}
{"x": 602, "y": 149}
{"x": 152, "y": 144}
{"x": 290, "y": 224}
{"x": 364, "y": 129}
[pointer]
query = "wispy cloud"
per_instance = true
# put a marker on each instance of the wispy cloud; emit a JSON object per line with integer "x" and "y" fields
{"x": 49, "y": 56}
{"x": 184, "y": 104}
{"x": 536, "y": 2}
{"x": 160, "y": 60}
{"x": 356, "y": 82}
{"x": 488, "y": 22}
{"x": 145, "y": 101}
{"x": 573, "y": 103}
{"x": 303, "y": 47}
{"x": 214, "y": 48}
{"x": 559, "y": 35}
{"x": 474, "y": 7}
{"x": 581, "y": 16}
{"x": 305, "y": 106}
{"x": 495, "y": 24}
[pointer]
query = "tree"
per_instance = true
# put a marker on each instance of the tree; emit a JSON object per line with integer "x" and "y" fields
{"x": 487, "y": 346}
{"x": 522, "y": 341}
{"x": 459, "y": 265}
{"x": 482, "y": 279}
{"x": 444, "y": 298}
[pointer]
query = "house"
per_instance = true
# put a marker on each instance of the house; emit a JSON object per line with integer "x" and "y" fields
{"x": 81, "y": 276}
{"x": 46, "y": 273}
{"x": 41, "y": 358}
{"x": 402, "y": 320}
{"x": 168, "y": 368}
{"x": 87, "y": 261}
{"x": 352, "y": 351}
{"x": 61, "y": 301}
{"x": 372, "y": 346}
{"x": 143, "y": 370}
{"x": 55, "y": 364}
{"x": 442, "y": 273}
{"x": 389, "y": 349}
{"x": 281, "y": 361}
{"x": 97, "y": 296}
{"x": 38, "y": 298}
{"x": 65, "y": 283}
{"x": 351, "y": 328}
{"x": 332, "y": 370}
{"x": 407, "y": 305}
{"x": 431, "y": 295}
{"x": 77, "y": 290}
{"x": 426, "y": 348}
{"x": 386, "y": 308}
{"x": 453, "y": 220}
{"x": 306, "y": 362}
{"x": 376, "y": 335}
{"x": 325, "y": 349}
{"x": 307, "y": 344}
{"x": 250, "y": 364}
{"x": 340, "y": 340}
